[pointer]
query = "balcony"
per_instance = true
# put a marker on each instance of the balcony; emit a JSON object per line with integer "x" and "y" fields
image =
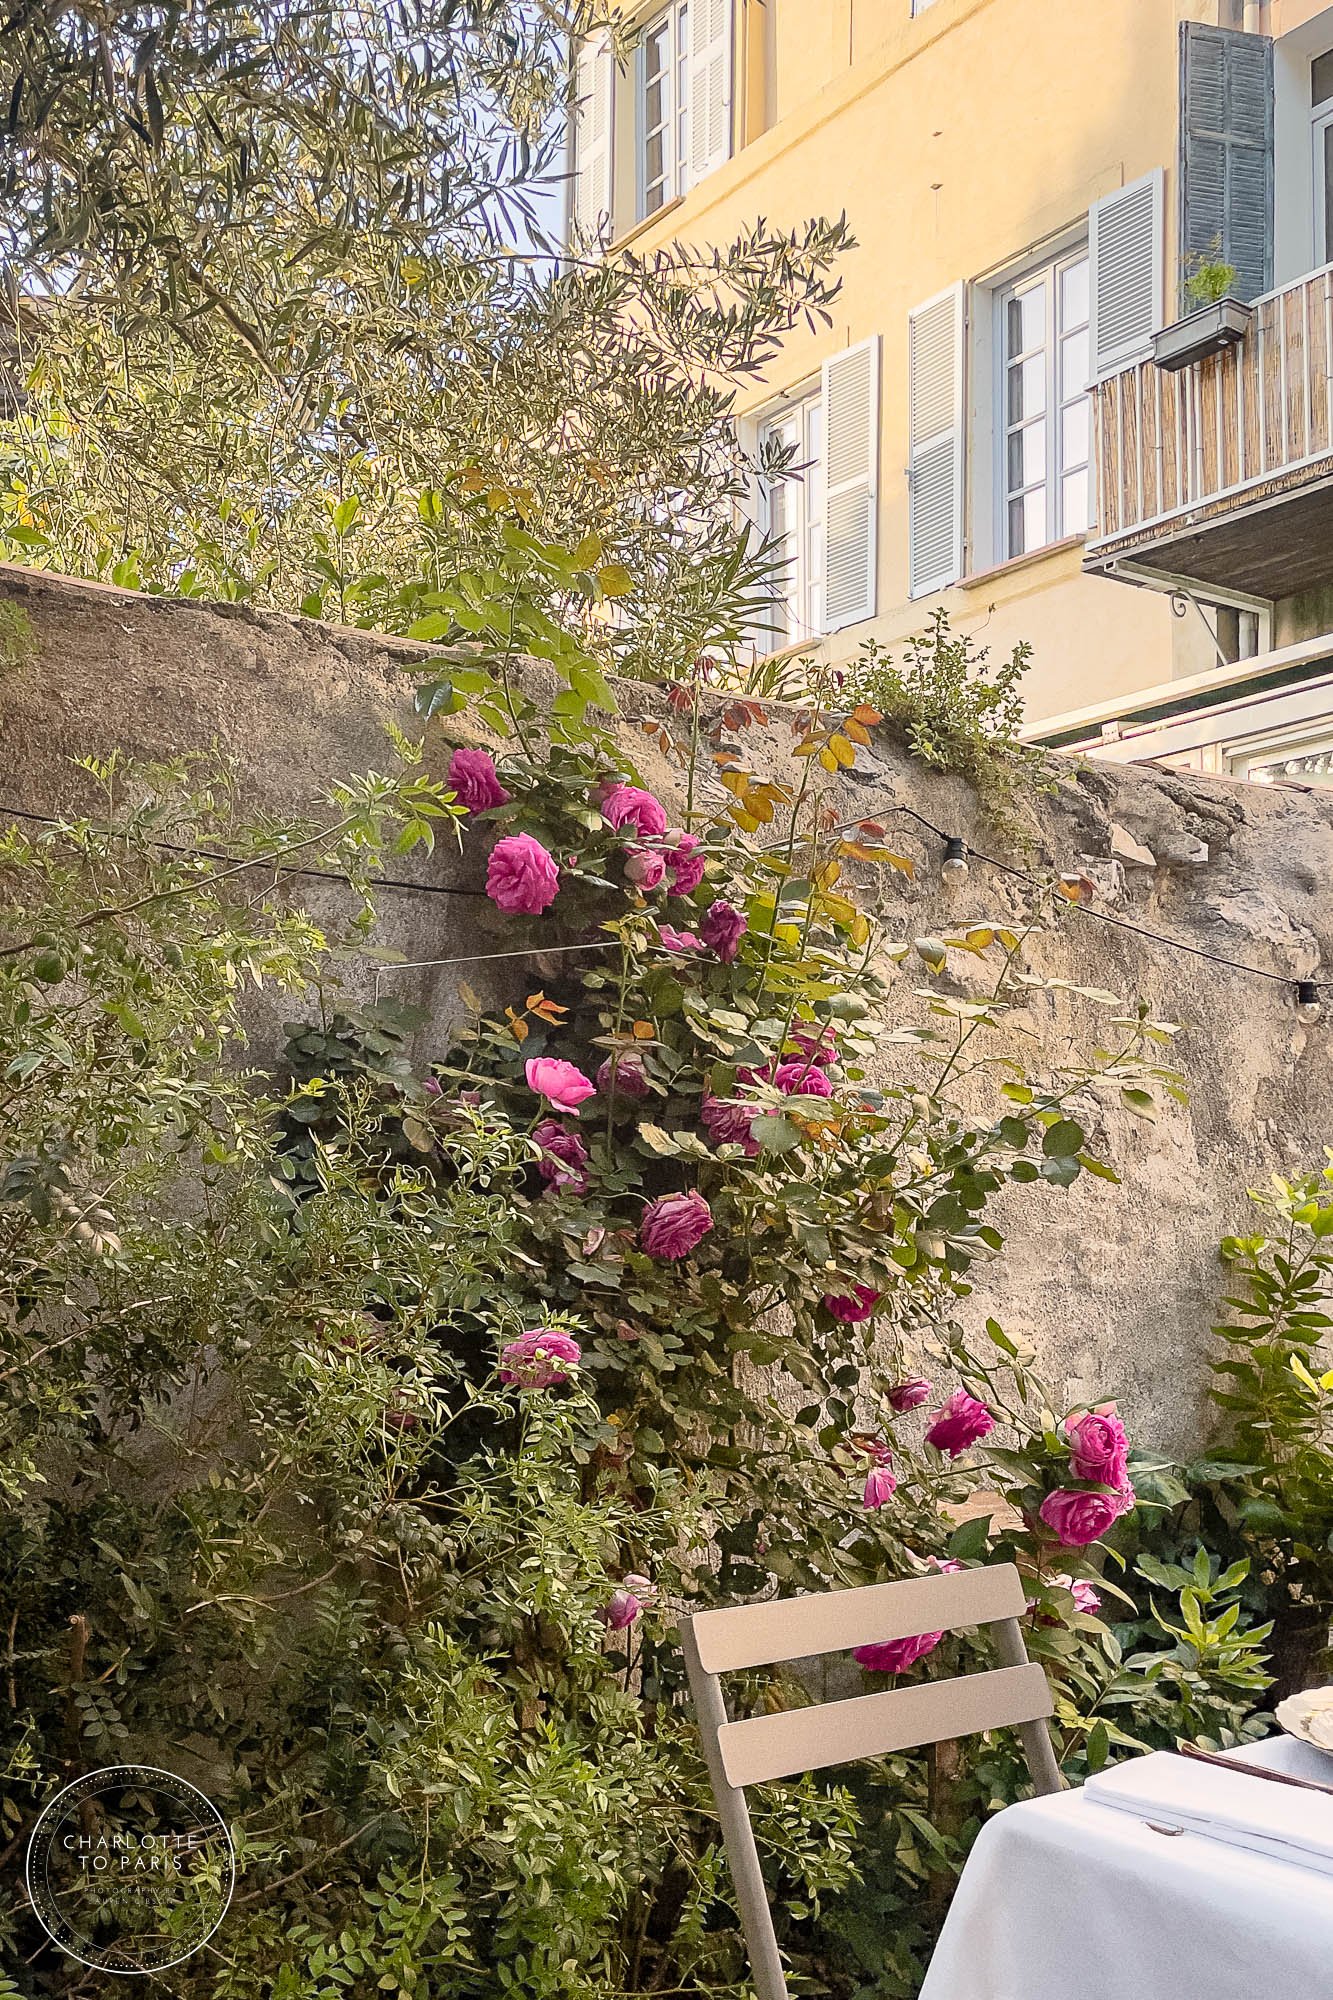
{"x": 1222, "y": 474}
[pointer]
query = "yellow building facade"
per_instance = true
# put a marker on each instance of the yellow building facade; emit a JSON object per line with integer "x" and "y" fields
{"x": 997, "y": 421}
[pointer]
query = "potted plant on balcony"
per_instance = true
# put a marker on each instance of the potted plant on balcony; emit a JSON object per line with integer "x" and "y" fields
{"x": 1217, "y": 320}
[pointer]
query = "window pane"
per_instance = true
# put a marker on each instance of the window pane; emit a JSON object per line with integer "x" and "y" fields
{"x": 1074, "y": 364}
{"x": 1321, "y": 79}
{"x": 1074, "y": 502}
{"x": 1027, "y": 455}
{"x": 1026, "y": 320}
{"x": 654, "y": 168}
{"x": 1328, "y": 190}
{"x": 1027, "y": 522}
{"x": 1074, "y": 294}
{"x": 1027, "y": 388}
{"x": 1074, "y": 433}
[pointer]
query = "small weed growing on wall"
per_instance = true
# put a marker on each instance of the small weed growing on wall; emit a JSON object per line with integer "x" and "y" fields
{"x": 960, "y": 713}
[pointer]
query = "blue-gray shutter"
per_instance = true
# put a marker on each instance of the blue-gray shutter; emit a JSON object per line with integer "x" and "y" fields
{"x": 1226, "y": 154}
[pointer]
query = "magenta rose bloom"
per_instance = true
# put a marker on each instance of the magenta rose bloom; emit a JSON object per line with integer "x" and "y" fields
{"x": 562, "y": 1084}
{"x": 802, "y": 1079}
{"x": 674, "y": 940}
{"x": 564, "y": 1159}
{"x": 722, "y": 929}
{"x": 880, "y": 1486}
{"x": 521, "y": 877}
{"x": 818, "y": 1045}
{"x": 622, "y": 1075}
{"x": 1076, "y": 1517}
{"x": 629, "y": 805}
{"x": 675, "y": 1224}
{"x": 1098, "y": 1448}
{"x": 473, "y": 781}
{"x": 961, "y": 1422}
{"x": 622, "y": 1611}
{"x": 539, "y": 1358}
{"x": 645, "y": 867}
{"x": 685, "y": 862}
{"x": 909, "y": 1395}
{"x": 851, "y": 1307}
{"x": 899, "y": 1654}
{"x": 729, "y": 1122}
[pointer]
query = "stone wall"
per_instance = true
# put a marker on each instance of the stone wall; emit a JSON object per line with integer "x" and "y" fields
{"x": 1115, "y": 1286}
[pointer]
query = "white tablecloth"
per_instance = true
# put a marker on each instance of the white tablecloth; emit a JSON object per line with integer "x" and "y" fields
{"x": 1062, "y": 1899}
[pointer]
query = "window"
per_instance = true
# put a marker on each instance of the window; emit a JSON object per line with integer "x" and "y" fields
{"x": 792, "y": 516}
{"x": 1045, "y": 489}
{"x": 1309, "y": 762}
{"x": 1321, "y": 112}
{"x": 663, "y": 109}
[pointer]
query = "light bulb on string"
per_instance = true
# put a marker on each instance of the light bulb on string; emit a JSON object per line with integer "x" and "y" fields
{"x": 954, "y": 870}
{"x": 1309, "y": 1007}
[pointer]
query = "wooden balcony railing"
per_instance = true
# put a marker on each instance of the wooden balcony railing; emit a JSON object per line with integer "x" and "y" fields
{"x": 1178, "y": 454}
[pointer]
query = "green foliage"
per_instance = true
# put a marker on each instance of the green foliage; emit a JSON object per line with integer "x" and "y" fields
{"x": 1208, "y": 280}
{"x": 960, "y": 713}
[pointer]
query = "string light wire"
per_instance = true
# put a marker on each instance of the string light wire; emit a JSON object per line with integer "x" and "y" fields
{"x": 889, "y": 805}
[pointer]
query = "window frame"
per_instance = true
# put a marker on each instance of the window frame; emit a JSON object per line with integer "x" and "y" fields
{"x": 807, "y": 486}
{"x": 1049, "y": 273}
{"x": 675, "y": 178}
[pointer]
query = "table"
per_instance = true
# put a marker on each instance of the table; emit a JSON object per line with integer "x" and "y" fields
{"x": 1062, "y": 1899}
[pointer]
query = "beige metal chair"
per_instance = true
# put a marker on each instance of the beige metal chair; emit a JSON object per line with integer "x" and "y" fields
{"x": 763, "y": 1747}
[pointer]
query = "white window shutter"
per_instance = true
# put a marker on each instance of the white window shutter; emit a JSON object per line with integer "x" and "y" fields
{"x": 592, "y": 125}
{"x": 935, "y": 457}
{"x": 709, "y": 84}
{"x": 1126, "y": 253}
{"x": 851, "y": 484}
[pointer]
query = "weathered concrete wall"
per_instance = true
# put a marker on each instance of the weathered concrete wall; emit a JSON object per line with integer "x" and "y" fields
{"x": 1116, "y": 1286}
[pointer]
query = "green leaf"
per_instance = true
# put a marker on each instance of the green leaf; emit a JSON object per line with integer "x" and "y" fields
{"x": 969, "y": 1542}
{"x": 1063, "y": 1140}
{"x": 615, "y": 580}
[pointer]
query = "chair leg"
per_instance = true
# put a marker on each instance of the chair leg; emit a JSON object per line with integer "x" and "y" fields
{"x": 1037, "y": 1749}
{"x": 770, "y": 1981}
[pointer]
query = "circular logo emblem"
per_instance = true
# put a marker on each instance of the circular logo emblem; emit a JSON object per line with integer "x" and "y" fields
{"x": 130, "y": 1869}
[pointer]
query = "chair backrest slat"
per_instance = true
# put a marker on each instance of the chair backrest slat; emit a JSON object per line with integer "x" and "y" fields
{"x": 874, "y": 1725}
{"x": 792, "y": 1628}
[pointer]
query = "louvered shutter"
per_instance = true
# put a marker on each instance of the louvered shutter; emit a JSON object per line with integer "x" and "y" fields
{"x": 592, "y": 126}
{"x": 935, "y": 434}
{"x": 709, "y": 84}
{"x": 851, "y": 484}
{"x": 1125, "y": 253}
{"x": 1226, "y": 154}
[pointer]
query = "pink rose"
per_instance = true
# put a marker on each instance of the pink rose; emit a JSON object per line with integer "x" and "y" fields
{"x": 880, "y": 1486}
{"x": 961, "y": 1422}
{"x": 622, "y": 1076}
{"x": 564, "y": 1158}
{"x": 539, "y": 1358}
{"x": 473, "y": 781}
{"x": 722, "y": 929}
{"x": 633, "y": 1596}
{"x": 909, "y": 1395}
{"x": 851, "y": 1307}
{"x": 802, "y": 1078}
{"x": 645, "y": 867}
{"x": 629, "y": 805}
{"x": 729, "y": 1122}
{"x": 562, "y": 1084}
{"x": 675, "y": 1224}
{"x": 674, "y": 940}
{"x": 1076, "y": 1516}
{"x": 521, "y": 877}
{"x": 685, "y": 862}
{"x": 1098, "y": 1447}
{"x": 817, "y": 1045}
{"x": 899, "y": 1654}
